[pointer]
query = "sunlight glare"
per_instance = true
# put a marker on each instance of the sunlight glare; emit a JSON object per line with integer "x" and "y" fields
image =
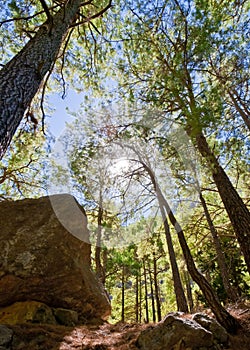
{"x": 119, "y": 166}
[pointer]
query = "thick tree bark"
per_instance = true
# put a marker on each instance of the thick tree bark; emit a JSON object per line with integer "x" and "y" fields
{"x": 21, "y": 77}
{"x": 231, "y": 294}
{"x": 237, "y": 211}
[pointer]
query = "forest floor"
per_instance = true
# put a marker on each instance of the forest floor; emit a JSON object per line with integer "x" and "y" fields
{"x": 112, "y": 337}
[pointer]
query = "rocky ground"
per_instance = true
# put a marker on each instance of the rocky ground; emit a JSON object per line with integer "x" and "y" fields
{"x": 106, "y": 336}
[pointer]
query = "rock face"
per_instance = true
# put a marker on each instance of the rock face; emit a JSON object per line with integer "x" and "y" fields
{"x": 177, "y": 333}
{"x": 42, "y": 261}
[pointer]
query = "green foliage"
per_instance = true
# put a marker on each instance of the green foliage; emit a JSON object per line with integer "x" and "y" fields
{"x": 22, "y": 172}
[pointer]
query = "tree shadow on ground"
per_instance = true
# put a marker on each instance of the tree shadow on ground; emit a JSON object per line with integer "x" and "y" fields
{"x": 111, "y": 337}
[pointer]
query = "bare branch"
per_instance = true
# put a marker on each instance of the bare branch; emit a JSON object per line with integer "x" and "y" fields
{"x": 46, "y": 10}
{"x": 96, "y": 15}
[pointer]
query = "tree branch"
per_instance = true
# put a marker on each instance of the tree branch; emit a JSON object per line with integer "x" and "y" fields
{"x": 46, "y": 10}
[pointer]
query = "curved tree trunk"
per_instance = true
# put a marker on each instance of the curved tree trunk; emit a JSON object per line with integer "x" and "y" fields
{"x": 221, "y": 314}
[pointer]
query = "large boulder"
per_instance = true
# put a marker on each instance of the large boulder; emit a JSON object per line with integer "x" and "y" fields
{"x": 47, "y": 259}
{"x": 176, "y": 333}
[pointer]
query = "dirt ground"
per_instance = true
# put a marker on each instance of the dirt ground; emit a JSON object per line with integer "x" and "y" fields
{"x": 107, "y": 336}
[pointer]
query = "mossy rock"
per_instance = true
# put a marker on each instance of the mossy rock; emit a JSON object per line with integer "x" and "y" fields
{"x": 27, "y": 311}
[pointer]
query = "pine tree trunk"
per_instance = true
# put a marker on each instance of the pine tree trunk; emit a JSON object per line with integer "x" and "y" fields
{"x": 98, "y": 264}
{"x": 189, "y": 291}
{"x": 22, "y": 76}
{"x": 178, "y": 287}
{"x": 123, "y": 294}
{"x": 152, "y": 293}
{"x": 146, "y": 291}
{"x": 237, "y": 211}
{"x": 220, "y": 256}
{"x": 104, "y": 265}
{"x": 157, "y": 294}
{"x": 137, "y": 299}
{"x": 140, "y": 297}
{"x": 221, "y": 314}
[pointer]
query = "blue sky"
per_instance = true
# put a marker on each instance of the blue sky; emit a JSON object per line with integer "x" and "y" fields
{"x": 60, "y": 116}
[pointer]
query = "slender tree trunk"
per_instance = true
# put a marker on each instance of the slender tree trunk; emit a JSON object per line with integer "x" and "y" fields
{"x": 140, "y": 298}
{"x": 243, "y": 112}
{"x": 146, "y": 291}
{"x": 104, "y": 265}
{"x": 21, "y": 77}
{"x": 220, "y": 256}
{"x": 123, "y": 294}
{"x": 157, "y": 294}
{"x": 178, "y": 288}
{"x": 152, "y": 293}
{"x": 98, "y": 264}
{"x": 235, "y": 207}
{"x": 189, "y": 291}
{"x": 137, "y": 299}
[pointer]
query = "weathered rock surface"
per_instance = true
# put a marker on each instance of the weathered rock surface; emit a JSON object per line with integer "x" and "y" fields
{"x": 37, "y": 312}
{"x": 176, "y": 333}
{"x": 40, "y": 260}
{"x": 219, "y": 333}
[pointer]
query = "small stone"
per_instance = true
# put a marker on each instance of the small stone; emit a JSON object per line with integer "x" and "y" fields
{"x": 219, "y": 332}
{"x": 66, "y": 317}
{"x": 174, "y": 333}
{"x": 6, "y": 335}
